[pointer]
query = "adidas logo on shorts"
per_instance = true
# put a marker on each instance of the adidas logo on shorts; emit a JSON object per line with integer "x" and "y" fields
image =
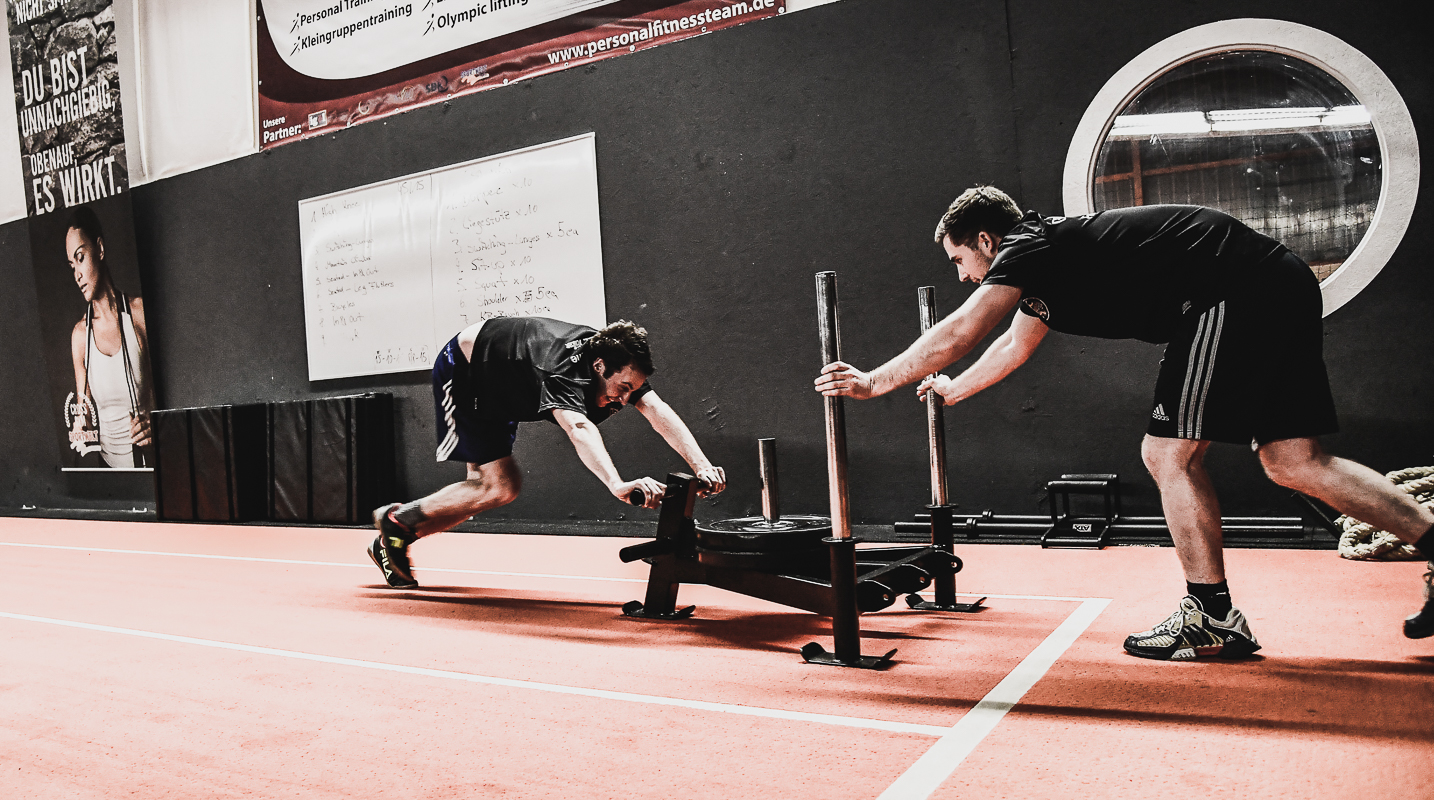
{"x": 1159, "y": 413}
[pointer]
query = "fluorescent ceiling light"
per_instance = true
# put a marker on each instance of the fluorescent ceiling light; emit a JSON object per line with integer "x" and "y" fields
{"x": 1239, "y": 119}
{"x": 1253, "y": 119}
{"x": 1141, "y": 124}
{"x": 1265, "y": 123}
{"x": 1347, "y": 115}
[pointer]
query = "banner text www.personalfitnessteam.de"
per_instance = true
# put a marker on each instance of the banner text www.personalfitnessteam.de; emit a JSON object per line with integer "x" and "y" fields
{"x": 657, "y": 28}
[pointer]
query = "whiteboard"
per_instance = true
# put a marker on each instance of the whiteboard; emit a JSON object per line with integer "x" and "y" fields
{"x": 393, "y": 270}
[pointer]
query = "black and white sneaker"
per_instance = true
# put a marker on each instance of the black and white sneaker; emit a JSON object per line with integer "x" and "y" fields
{"x": 1421, "y": 625}
{"x": 390, "y": 550}
{"x": 1191, "y": 633}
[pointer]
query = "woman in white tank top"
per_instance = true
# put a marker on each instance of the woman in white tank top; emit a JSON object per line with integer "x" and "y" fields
{"x": 109, "y": 347}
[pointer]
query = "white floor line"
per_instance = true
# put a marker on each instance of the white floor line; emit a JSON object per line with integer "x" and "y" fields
{"x": 725, "y": 708}
{"x": 454, "y": 571}
{"x": 922, "y": 779}
{"x": 316, "y": 563}
{"x": 925, "y": 776}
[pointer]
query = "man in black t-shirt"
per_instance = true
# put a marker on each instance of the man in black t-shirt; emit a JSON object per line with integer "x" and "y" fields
{"x": 1242, "y": 319}
{"x": 504, "y": 371}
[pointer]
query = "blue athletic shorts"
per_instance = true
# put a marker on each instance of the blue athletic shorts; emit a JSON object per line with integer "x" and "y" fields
{"x": 461, "y": 437}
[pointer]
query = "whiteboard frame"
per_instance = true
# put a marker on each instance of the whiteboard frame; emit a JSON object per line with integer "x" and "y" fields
{"x": 591, "y": 136}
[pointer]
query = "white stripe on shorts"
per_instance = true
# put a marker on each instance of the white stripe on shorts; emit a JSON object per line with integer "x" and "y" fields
{"x": 445, "y": 447}
{"x": 1199, "y": 370}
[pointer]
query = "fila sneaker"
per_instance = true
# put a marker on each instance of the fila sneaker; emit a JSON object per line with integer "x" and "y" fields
{"x": 1421, "y": 625}
{"x": 1191, "y": 633}
{"x": 390, "y": 550}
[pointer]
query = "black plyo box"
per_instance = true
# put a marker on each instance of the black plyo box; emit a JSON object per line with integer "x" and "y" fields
{"x": 210, "y": 463}
{"x": 331, "y": 459}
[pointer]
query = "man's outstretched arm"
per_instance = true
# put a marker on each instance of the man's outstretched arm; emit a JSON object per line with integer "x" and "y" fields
{"x": 1009, "y": 351}
{"x": 587, "y": 441}
{"x": 936, "y": 349}
{"x": 675, "y": 432}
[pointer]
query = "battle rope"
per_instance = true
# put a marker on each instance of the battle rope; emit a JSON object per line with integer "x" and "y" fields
{"x": 1363, "y": 542}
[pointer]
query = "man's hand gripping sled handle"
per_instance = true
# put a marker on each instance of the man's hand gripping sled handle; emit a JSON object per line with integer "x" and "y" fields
{"x": 648, "y": 493}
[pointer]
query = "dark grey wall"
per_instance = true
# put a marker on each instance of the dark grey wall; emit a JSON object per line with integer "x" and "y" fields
{"x": 732, "y": 167}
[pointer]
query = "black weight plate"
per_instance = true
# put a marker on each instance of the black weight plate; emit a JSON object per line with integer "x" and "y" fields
{"x": 795, "y": 561}
{"x": 756, "y": 535}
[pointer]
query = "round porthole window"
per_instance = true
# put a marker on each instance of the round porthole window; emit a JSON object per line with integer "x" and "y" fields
{"x": 1289, "y": 130}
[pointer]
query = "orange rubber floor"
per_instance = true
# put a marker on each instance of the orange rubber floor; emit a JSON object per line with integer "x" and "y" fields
{"x": 190, "y": 661}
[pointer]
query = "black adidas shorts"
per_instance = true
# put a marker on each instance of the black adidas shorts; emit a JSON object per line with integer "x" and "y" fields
{"x": 1250, "y": 367}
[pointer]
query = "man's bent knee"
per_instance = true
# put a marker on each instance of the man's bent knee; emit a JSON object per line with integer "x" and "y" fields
{"x": 499, "y": 482}
{"x": 1164, "y": 457}
{"x": 503, "y": 495}
{"x": 1291, "y": 462}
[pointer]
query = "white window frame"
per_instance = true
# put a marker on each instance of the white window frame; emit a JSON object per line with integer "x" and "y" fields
{"x": 1398, "y": 144}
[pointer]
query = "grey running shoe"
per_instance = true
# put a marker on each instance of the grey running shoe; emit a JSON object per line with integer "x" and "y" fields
{"x": 390, "y": 550}
{"x": 1421, "y": 625}
{"x": 1191, "y": 633}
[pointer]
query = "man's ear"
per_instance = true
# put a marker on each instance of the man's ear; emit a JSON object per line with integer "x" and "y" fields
{"x": 598, "y": 367}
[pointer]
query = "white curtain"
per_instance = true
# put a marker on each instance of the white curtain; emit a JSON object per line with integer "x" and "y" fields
{"x": 193, "y": 71}
{"x": 12, "y": 193}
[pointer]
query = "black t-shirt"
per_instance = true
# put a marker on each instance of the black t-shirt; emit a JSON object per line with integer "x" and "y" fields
{"x": 1127, "y": 273}
{"x": 524, "y": 367}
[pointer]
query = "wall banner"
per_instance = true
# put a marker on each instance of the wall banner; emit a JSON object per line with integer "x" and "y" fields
{"x": 67, "y": 100}
{"x": 328, "y": 64}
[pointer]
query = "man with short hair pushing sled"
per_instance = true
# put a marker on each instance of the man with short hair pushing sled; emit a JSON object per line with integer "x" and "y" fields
{"x": 1242, "y": 317}
{"x": 504, "y": 371}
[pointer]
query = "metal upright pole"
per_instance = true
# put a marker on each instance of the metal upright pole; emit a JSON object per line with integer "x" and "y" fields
{"x": 828, "y": 327}
{"x": 846, "y": 627}
{"x": 943, "y": 534}
{"x": 767, "y": 465}
{"x": 935, "y": 424}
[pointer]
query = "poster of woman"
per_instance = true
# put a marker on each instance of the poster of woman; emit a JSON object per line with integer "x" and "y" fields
{"x": 96, "y": 333}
